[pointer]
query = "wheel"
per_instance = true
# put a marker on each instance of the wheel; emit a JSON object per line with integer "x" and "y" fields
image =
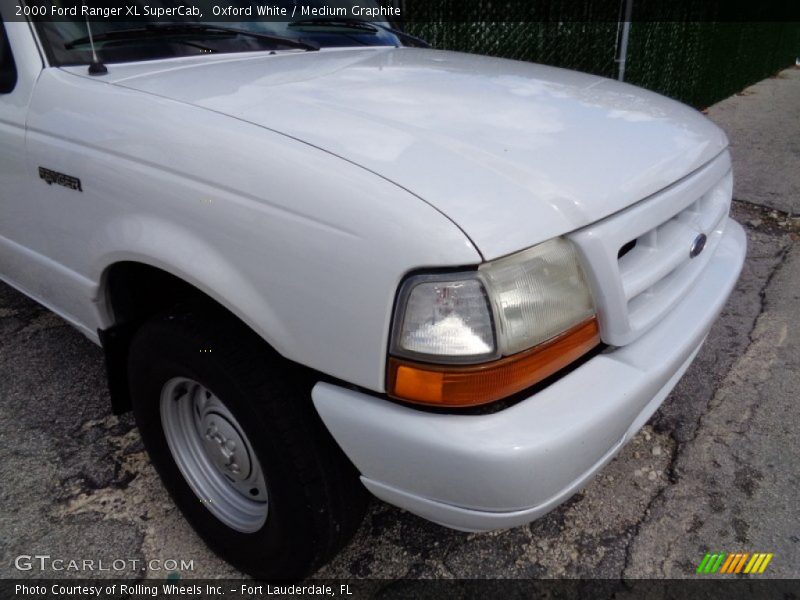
{"x": 231, "y": 430}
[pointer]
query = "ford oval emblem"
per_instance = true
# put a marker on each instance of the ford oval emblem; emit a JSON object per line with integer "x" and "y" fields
{"x": 697, "y": 245}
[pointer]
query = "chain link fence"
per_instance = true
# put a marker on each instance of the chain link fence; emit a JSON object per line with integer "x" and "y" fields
{"x": 696, "y": 62}
{"x": 702, "y": 63}
{"x": 583, "y": 46}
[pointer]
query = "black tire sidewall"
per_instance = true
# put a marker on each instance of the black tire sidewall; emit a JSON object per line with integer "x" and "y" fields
{"x": 284, "y": 548}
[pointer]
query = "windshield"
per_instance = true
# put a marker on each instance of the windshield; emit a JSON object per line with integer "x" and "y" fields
{"x": 147, "y": 38}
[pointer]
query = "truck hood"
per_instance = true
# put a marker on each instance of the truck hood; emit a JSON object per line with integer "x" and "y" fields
{"x": 514, "y": 153}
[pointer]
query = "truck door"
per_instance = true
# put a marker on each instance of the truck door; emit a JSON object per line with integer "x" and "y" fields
{"x": 20, "y": 227}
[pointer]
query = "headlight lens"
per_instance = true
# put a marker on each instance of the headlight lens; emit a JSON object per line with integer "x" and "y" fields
{"x": 444, "y": 318}
{"x": 537, "y": 294}
{"x": 510, "y": 324}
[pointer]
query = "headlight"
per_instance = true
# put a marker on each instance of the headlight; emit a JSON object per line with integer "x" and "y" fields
{"x": 481, "y": 335}
{"x": 444, "y": 318}
{"x": 537, "y": 294}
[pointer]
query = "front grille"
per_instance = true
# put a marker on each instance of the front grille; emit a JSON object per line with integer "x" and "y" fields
{"x": 638, "y": 260}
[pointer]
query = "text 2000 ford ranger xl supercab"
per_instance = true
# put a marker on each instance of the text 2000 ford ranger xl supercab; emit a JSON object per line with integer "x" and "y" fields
{"x": 322, "y": 258}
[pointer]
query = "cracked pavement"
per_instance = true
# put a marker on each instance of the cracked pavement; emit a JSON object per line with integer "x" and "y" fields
{"x": 714, "y": 469}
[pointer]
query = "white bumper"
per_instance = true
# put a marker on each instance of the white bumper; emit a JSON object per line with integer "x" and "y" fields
{"x": 483, "y": 472}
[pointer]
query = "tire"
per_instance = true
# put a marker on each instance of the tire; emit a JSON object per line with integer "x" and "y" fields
{"x": 309, "y": 501}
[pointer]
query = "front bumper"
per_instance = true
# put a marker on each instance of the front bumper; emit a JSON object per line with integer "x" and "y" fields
{"x": 484, "y": 472}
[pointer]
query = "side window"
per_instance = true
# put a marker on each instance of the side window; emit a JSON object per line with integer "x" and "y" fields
{"x": 8, "y": 70}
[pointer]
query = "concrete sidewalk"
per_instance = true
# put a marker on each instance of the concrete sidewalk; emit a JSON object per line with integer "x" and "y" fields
{"x": 763, "y": 124}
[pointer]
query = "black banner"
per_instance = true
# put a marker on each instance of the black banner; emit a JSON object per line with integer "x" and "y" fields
{"x": 406, "y": 10}
{"x": 703, "y": 587}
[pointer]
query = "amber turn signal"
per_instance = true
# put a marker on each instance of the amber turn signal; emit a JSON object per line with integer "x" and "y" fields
{"x": 473, "y": 385}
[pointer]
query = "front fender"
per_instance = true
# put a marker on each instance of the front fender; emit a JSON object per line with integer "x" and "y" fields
{"x": 185, "y": 254}
{"x": 306, "y": 248}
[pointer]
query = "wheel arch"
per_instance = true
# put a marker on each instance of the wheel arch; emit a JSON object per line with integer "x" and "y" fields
{"x": 134, "y": 289}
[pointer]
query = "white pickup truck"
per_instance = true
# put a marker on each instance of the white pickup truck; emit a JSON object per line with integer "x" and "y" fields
{"x": 322, "y": 258}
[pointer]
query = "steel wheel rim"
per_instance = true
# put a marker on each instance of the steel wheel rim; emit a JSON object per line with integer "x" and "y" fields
{"x": 214, "y": 455}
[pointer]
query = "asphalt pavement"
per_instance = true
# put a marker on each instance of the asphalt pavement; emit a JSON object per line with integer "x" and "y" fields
{"x": 716, "y": 469}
